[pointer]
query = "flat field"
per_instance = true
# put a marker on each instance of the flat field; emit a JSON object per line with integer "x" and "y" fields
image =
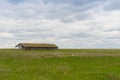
{"x": 63, "y": 64}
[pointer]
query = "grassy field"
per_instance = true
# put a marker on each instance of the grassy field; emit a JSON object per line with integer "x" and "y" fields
{"x": 64, "y": 64}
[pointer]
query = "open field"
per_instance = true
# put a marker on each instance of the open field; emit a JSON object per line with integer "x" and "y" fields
{"x": 64, "y": 64}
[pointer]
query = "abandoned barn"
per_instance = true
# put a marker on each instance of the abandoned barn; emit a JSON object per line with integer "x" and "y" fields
{"x": 36, "y": 46}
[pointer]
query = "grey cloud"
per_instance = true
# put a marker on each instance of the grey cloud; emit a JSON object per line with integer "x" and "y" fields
{"x": 32, "y": 33}
{"x": 64, "y": 10}
{"x": 16, "y": 1}
{"x": 55, "y": 10}
{"x": 112, "y": 30}
{"x": 78, "y": 17}
{"x": 113, "y": 5}
{"x": 76, "y": 2}
{"x": 75, "y": 23}
{"x": 77, "y": 36}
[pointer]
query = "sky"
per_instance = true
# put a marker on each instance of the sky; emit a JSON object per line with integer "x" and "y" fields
{"x": 67, "y": 23}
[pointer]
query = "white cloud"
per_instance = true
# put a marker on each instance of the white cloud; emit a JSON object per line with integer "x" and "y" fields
{"x": 6, "y": 35}
{"x": 69, "y": 24}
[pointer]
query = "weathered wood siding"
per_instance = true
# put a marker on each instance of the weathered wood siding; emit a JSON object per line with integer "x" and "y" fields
{"x": 39, "y": 48}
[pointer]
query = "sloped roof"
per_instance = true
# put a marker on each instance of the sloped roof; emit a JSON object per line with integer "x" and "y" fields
{"x": 36, "y": 45}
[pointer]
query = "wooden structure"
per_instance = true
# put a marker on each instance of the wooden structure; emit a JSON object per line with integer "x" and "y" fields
{"x": 36, "y": 46}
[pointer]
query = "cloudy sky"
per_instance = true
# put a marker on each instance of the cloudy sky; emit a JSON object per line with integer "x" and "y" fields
{"x": 68, "y": 23}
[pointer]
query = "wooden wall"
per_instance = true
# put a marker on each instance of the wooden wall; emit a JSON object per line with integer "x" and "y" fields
{"x": 39, "y": 48}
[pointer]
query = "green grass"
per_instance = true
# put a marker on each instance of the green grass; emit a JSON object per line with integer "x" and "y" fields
{"x": 64, "y": 64}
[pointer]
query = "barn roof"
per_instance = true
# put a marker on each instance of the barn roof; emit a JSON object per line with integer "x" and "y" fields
{"x": 36, "y": 45}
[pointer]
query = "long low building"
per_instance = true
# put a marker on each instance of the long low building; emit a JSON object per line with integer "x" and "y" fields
{"x": 36, "y": 46}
